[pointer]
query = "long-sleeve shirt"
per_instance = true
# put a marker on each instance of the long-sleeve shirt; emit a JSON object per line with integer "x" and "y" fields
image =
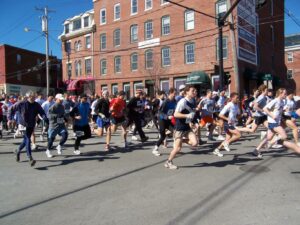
{"x": 27, "y": 112}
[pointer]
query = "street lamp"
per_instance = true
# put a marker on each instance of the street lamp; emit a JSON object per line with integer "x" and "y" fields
{"x": 44, "y": 33}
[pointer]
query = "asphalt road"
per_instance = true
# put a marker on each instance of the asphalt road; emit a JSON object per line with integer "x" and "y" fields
{"x": 134, "y": 188}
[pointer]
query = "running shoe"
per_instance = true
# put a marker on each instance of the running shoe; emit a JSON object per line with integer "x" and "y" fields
{"x": 33, "y": 147}
{"x": 134, "y": 138}
{"x": 17, "y": 155}
{"x": 76, "y": 152}
{"x": 170, "y": 165}
{"x": 220, "y": 138}
{"x": 144, "y": 139}
{"x": 58, "y": 148}
{"x": 155, "y": 151}
{"x": 276, "y": 146}
{"x": 226, "y": 146}
{"x": 107, "y": 148}
{"x": 217, "y": 153}
{"x": 31, "y": 161}
{"x": 48, "y": 154}
{"x": 257, "y": 154}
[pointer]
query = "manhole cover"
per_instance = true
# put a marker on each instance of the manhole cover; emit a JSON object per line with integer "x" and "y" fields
{"x": 254, "y": 169}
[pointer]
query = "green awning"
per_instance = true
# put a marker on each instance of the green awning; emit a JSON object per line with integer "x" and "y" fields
{"x": 266, "y": 76}
{"x": 198, "y": 77}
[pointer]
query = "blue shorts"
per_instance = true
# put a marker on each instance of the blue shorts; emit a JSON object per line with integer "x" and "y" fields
{"x": 102, "y": 122}
{"x": 295, "y": 115}
{"x": 228, "y": 127}
{"x": 117, "y": 121}
{"x": 57, "y": 131}
{"x": 271, "y": 126}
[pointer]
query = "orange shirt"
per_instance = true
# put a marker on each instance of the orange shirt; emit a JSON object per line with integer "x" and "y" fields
{"x": 117, "y": 107}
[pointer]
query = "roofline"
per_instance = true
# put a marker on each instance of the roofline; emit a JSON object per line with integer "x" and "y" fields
{"x": 291, "y": 35}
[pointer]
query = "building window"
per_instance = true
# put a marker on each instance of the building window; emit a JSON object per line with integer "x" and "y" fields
{"x": 221, "y": 8}
{"x": 126, "y": 89}
{"x": 76, "y": 24}
{"x": 117, "y": 64}
{"x": 165, "y": 85}
{"x": 289, "y": 74}
{"x": 102, "y": 16}
{"x": 148, "y": 30}
{"x": 68, "y": 47}
{"x": 290, "y": 57}
{"x": 69, "y": 70}
{"x": 78, "y": 68}
{"x": 114, "y": 89}
{"x": 77, "y": 46}
{"x": 272, "y": 7}
{"x": 162, "y": 2}
{"x": 134, "y": 7}
{"x": 166, "y": 56}
{"x": 189, "y": 20}
{"x": 67, "y": 28}
{"x": 86, "y": 21}
{"x": 88, "y": 66}
{"x": 117, "y": 12}
{"x": 19, "y": 76}
{"x": 102, "y": 41}
{"x": 117, "y": 38}
{"x": 103, "y": 68}
{"x": 138, "y": 85}
{"x": 134, "y": 62}
{"x": 165, "y": 25}
{"x": 178, "y": 82}
{"x": 134, "y": 33}
{"x": 225, "y": 48}
{"x": 19, "y": 59}
{"x": 148, "y": 4}
{"x": 88, "y": 42}
{"x": 189, "y": 50}
{"x": 149, "y": 59}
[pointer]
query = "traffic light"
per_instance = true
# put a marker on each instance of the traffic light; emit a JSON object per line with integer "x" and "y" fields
{"x": 227, "y": 78}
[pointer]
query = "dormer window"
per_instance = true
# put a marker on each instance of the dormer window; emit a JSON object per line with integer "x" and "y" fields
{"x": 86, "y": 21}
{"x": 67, "y": 28}
{"x": 76, "y": 24}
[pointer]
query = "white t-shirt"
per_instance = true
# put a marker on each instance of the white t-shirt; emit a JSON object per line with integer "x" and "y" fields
{"x": 289, "y": 107}
{"x": 232, "y": 110}
{"x": 262, "y": 102}
{"x": 93, "y": 107}
{"x": 276, "y": 107}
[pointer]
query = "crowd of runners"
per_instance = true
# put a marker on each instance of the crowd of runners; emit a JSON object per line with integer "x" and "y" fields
{"x": 177, "y": 115}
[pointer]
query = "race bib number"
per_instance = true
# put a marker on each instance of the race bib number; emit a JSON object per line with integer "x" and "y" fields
{"x": 170, "y": 112}
{"x": 106, "y": 120}
{"x": 60, "y": 120}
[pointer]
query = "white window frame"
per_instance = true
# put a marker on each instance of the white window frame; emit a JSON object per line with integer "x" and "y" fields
{"x": 186, "y": 53}
{"x": 292, "y": 74}
{"x": 162, "y": 2}
{"x": 88, "y": 46}
{"x": 132, "y": 34}
{"x": 114, "y": 36}
{"x": 146, "y": 59}
{"x": 188, "y": 21}
{"x": 102, "y": 19}
{"x": 161, "y": 84}
{"x": 119, "y": 67}
{"x": 114, "y": 89}
{"x": 136, "y": 86}
{"x": 115, "y": 12}
{"x": 180, "y": 81}
{"x": 221, "y": 4}
{"x": 101, "y": 67}
{"x": 162, "y": 57}
{"x": 104, "y": 88}
{"x": 124, "y": 89}
{"x": 225, "y": 47}
{"x": 163, "y": 25}
{"x": 146, "y": 29}
{"x": 137, "y": 61}
{"x": 148, "y": 8}
{"x": 77, "y": 21}
{"x": 83, "y": 19}
{"x": 101, "y": 41}
{"x": 85, "y": 67}
{"x": 131, "y": 7}
{"x": 290, "y": 57}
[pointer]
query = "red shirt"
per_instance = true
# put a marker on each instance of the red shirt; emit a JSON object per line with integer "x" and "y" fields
{"x": 117, "y": 107}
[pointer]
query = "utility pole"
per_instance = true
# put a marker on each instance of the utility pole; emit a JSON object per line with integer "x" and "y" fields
{"x": 46, "y": 33}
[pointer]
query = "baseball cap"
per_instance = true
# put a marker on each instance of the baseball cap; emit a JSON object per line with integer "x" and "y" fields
{"x": 181, "y": 87}
{"x": 105, "y": 92}
{"x": 59, "y": 96}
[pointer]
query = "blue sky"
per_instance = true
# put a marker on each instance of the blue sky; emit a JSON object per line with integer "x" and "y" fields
{"x": 17, "y": 14}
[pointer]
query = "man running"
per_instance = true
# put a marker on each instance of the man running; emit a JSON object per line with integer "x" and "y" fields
{"x": 57, "y": 125}
{"x": 184, "y": 114}
{"x": 28, "y": 110}
{"x": 229, "y": 115}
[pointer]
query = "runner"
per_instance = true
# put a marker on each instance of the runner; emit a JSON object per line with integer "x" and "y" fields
{"x": 57, "y": 125}
{"x": 184, "y": 114}
{"x": 165, "y": 116}
{"x": 81, "y": 127}
{"x": 117, "y": 108}
{"x": 229, "y": 115}
{"x": 28, "y": 110}
{"x": 103, "y": 120}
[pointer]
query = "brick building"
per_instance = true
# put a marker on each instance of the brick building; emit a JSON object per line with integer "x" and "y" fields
{"x": 154, "y": 44}
{"x": 22, "y": 70}
{"x": 78, "y": 52}
{"x": 292, "y": 60}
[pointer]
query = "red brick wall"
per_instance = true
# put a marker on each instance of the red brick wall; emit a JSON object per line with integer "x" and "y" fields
{"x": 295, "y": 66}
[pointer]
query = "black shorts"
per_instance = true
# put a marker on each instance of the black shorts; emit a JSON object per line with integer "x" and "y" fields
{"x": 117, "y": 120}
{"x": 285, "y": 117}
{"x": 260, "y": 119}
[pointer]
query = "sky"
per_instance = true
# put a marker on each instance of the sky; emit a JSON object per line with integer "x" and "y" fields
{"x": 15, "y": 15}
